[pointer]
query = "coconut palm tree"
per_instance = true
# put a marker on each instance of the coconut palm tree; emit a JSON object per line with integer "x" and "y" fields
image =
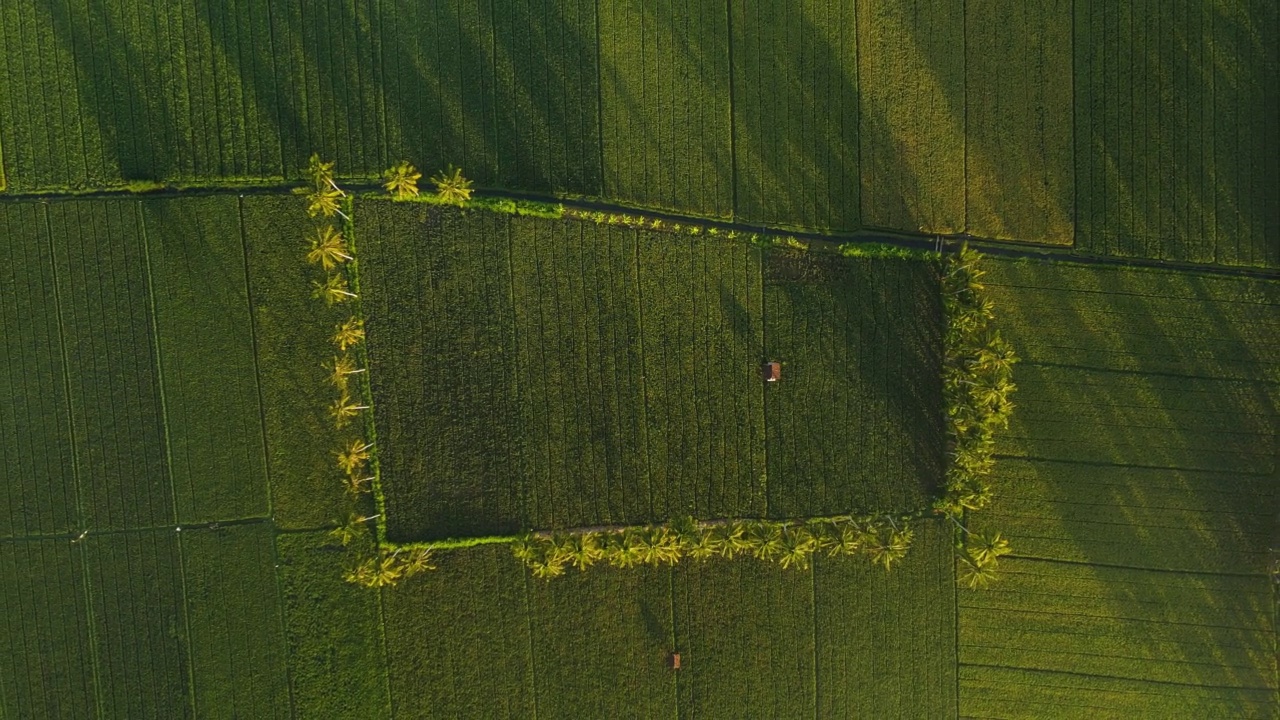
{"x": 356, "y": 485}
{"x": 525, "y": 548}
{"x": 354, "y": 456}
{"x": 347, "y": 532}
{"x": 795, "y": 547}
{"x": 623, "y": 550}
{"x": 976, "y": 573}
{"x": 417, "y": 560}
{"x": 343, "y": 409}
{"x": 988, "y": 548}
{"x": 402, "y": 180}
{"x": 319, "y": 173}
{"x": 325, "y": 202}
{"x": 452, "y": 187}
{"x": 708, "y": 542}
{"x": 766, "y": 540}
{"x": 340, "y": 369}
{"x": 328, "y": 248}
{"x": 333, "y": 290}
{"x": 348, "y": 333}
{"x": 735, "y": 539}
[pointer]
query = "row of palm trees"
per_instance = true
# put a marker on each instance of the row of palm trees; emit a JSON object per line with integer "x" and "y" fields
{"x": 977, "y": 385}
{"x": 883, "y": 540}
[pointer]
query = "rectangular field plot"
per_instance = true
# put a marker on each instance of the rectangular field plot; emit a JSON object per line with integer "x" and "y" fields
{"x": 476, "y": 663}
{"x": 236, "y": 645}
{"x": 665, "y": 104}
{"x": 601, "y": 641}
{"x": 46, "y": 658}
{"x": 205, "y": 338}
{"x": 855, "y": 422}
{"x": 886, "y": 641}
{"x": 139, "y": 624}
{"x": 551, "y": 374}
{"x": 337, "y": 667}
{"x": 1019, "y": 164}
{"x": 911, "y": 127}
{"x": 35, "y": 429}
{"x": 1177, "y": 146}
{"x": 117, "y": 415}
{"x": 441, "y": 341}
{"x": 795, "y": 113}
{"x": 745, "y": 633}
{"x": 1138, "y": 489}
{"x": 292, "y": 331}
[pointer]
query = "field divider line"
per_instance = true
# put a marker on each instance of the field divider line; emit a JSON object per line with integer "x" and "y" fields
{"x": 66, "y": 372}
{"x": 1162, "y": 622}
{"x": 1108, "y": 656}
{"x": 213, "y": 525}
{"x": 257, "y": 367}
{"x": 1149, "y": 681}
{"x": 1116, "y": 566}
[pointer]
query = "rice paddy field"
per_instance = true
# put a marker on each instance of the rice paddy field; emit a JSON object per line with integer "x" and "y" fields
{"x": 166, "y": 544}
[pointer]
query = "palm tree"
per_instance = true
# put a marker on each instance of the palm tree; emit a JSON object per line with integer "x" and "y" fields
{"x": 549, "y": 567}
{"x": 417, "y": 560}
{"x": 583, "y": 549}
{"x": 795, "y": 547}
{"x": 333, "y": 290}
{"x": 320, "y": 173}
{"x": 735, "y": 540}
{"x": 988, "y": 548}
{"x": 340, "y": 369}
{"x": 525, "y": 548}
{"x": 766, "y": 540}
{"x": 343, "y": 409}
{"x": 328, "y": 248}
{"x": 451, "y": 187}
{"x": 326, "y": 202}
{"x": 376, "y": 572}
{"x": 353, "y": 457}
{"x": 348, "y": 333}
{"x": 708, "y": 542}
{"x": 976, "y": 573}
{"x": 402, "y": 180}
{"x": 623, "y": 550}
{"x": 356, "y": 485}
{"x": 347, "y": 532}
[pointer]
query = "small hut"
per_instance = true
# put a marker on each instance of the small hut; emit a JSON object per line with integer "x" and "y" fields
{"x": 675, "y": 661}
{"x": 772, "y": 371}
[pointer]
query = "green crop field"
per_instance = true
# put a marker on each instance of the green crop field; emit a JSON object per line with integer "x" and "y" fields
{"x": 666, "y": 196}
{"x": 1139, "y": 488}
{"x": 551, "y": 374}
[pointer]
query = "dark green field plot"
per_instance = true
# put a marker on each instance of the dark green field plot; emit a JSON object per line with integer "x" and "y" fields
{"x": 535, "y": 373}
{"x": 46, "y": 652}
{"x": 1177, "y": 145}
{"x": 292, "y": 332}
{"x": 856, "y": 421}
{"x": 1138, "y": 488}
{"x": 139, "y": 625}
{"x": 337, "y": 663}
{"x": 233, "y": 610}
{"x": 477, "y": 661}
{"x": 36, "y": 443}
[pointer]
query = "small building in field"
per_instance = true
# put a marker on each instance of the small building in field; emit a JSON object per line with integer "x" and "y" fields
{"x": 772, "y": 371}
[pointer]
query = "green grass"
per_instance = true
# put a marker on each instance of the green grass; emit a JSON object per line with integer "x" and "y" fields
{"x": 36, "y": 440}
{"x": 745, "y": 632}
{"x": 116, "y": 409}
{"x": 292, "y": 332}
{"x": 1019, "y": 160}
{"x": 911, "y": 125}
{"x": 237, "y": 645}
{"x": 795, "y": 113}
{"x": 886, "y": 641}
{"x": 855, "y": 422}
{"x": 337, "y": 667}
{"x": 46, "y": 655}
{"x": 1176, "y": 142}
{"x": 550, "y": 374}
{"x": 667, "y": 137}
{"x": 206, "y": 341}
{"x": 601, "y": 641}
{"x": 1137, "y": 488}
{"x": 139, "y": 624}
{"x": 441, "y": 343}
{"x": 477, "y": 662}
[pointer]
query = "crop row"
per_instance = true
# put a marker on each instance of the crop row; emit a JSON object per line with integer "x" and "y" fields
{"x": 1184, "y": 92}
{"x": 46, "y": 655}
{"x": 858, "y": 404}
{"x": 36, "y": 447}
{"x": 846, "y": 638}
